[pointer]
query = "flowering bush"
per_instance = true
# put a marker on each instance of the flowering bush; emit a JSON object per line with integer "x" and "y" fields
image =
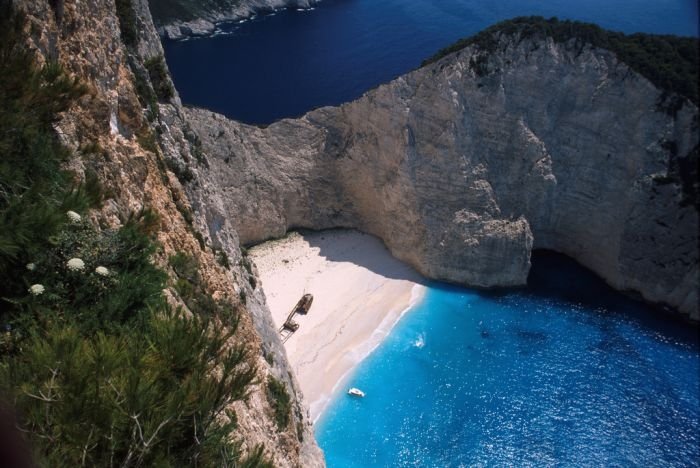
{"x": 75, "y": 264}
{"x": 125, "y": 283}
{"x": 76, "y": 359}
{"x": 74, "y": 217}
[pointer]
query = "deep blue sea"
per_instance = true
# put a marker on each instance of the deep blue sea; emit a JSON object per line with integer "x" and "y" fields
{"x": 287, "y": 64}
{"x": 564, "y": 373}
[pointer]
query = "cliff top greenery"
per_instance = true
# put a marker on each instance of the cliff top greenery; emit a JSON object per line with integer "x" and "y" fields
{"x": 669, "y": 62}
{"x": 165, "y": 11}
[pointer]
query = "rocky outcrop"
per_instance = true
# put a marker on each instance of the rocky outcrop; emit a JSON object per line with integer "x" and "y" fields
{"x": 177, "y": 19}
{"x": 136, "y": 156}
{"x": 464, "y": 166}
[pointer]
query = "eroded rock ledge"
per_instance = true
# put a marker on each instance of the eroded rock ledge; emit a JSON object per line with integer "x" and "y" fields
{"x": 463, "y": 169}
{"x": 178, "y": 19}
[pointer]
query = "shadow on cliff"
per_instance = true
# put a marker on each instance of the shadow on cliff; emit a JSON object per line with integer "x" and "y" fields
{"x": 364, "y": 250}
{"x": 557, "y": 278}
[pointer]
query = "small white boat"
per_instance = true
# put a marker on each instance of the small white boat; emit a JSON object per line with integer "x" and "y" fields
{"x": 356, "y": 392}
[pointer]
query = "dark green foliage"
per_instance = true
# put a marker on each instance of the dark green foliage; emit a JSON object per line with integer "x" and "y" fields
{"x": 269, "y": 358}
{"x": 248, "y": 266}
{"x": 222, "y": 259}
{"x": 100, "y": 370}
{"x": 185, "y": 267}
{"x": 670, "y": 62}
{"x": 91, "y": 148}
{"x": 185, "y": 212}
{"x": 279, "y": 400}
{"x": 127, "y": 22}
{"x": 160, "y": 80}
{"x": 190, "y": 287}
{"x": 148, "y": 396}
{"x": 144, "y": 91}
{"x": 245, "y": 263}
{"x": 256, "y": 459}
{"x": 200, "y": 239}
{"x": 196, "y": 146}
{"x": 35, "y": 193}
{"x": 183, "y": 173}
{"x": 94, "y": 301}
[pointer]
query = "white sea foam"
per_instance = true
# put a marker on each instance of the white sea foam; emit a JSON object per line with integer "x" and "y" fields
{"x": 420, "y": 341}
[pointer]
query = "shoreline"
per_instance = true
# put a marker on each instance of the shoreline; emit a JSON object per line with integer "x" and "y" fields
{"x": 360, "y": 293}
{"x": 210, "y": 26}
{"x": 417, "y": 295}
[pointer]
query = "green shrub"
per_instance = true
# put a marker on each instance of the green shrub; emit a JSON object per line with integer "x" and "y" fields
{"x": 200, "y": 239}
{"x": 191, "y": 289}
{"x": 279, "y": 400}
{"x": 158, "y": 73}
{"x": 35, "y": 192}
{"x": 269, "y": 358}
{"x": 144, "y": 91}
{"x": 183, "y": 173}
{"x": 127, "y": 22}
{"x": 246, "y": 264}
{"x": 185, "y": 211}
{"x": 670, "y": 62}
{"x": 100, "y": 370}
{"x": 151, "y": 395}
{"x": 196, "y": 146}
{"x": 128, "y": 286}
{"x": 222, "y": 259}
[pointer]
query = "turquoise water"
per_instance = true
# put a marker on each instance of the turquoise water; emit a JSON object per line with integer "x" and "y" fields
{"x": 287, "y": 64}
{"x": 565, "y": 372}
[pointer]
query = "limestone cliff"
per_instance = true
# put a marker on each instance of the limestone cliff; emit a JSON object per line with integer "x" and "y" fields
{"x": 464, "y": 166}
{"x": 119, "y": 132}
{"x": 185, "y": 18}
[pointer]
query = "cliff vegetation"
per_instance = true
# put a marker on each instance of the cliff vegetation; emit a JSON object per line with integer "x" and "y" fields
{"x": 100, "y": 369}
{"x": 669, "y": 62}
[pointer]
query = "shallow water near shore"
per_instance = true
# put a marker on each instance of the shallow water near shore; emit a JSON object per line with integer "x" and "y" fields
{"x": 564, "y": 372}
{"x": 284, "y": 65}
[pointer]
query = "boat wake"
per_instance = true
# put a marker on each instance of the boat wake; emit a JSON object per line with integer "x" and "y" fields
{"x": 420, "y": 341}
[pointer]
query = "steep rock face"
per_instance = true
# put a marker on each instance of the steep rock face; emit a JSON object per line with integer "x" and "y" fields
{"x": 136, "y": 161}
{"x": 189, "y": 18}
{"x": 180, "y": 146}
{"x": 462, "y": 170}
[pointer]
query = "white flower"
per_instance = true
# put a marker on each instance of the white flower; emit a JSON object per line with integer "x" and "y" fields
{"x": 36, "y": 289}
{"x": 74, "y": 217}
{"x": 75, "y": 264}
{"x": 102, "y": 271}
{"x": 31, "y": 266}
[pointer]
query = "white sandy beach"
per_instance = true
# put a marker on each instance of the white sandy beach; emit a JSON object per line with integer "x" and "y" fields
{"x": 360, "y": 291}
